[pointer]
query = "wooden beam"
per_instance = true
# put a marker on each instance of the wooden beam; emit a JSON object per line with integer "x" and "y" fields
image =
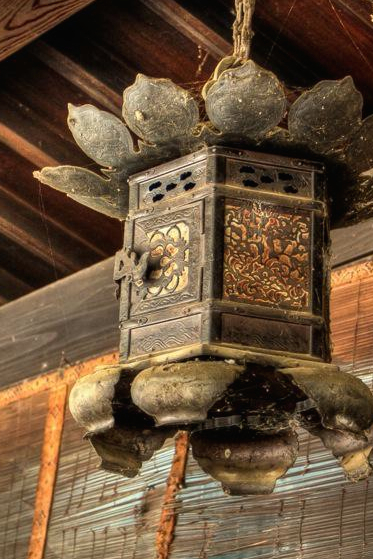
{"x": 76, "y": 319}
{"x": 168, "y": 519}
{"x": 193, "y": 28}
{"x": 68, "y": 374}
{"x": 350, "y": 244}
{"x": 11, "y": 287}
{"x": 93, "y": 232}
{"x": 21, "y": 22}
{"x": 26, "y": 149}
{"x": 25, "y": 226}
{"x": 65, "y": 322}
{"x": 361, "y": 9}
{"x": 33, "y": 100}
{"x": 79, "y": 76}
{"x": 48, "y": 471}
{"x": 330, "y": 33}
{"x": 55, "y": 379}
{"x": 352, "y": 274}
{"x": 72, "y": 320}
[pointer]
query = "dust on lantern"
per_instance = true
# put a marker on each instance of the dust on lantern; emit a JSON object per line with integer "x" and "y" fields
{"x": 223, "y": 279}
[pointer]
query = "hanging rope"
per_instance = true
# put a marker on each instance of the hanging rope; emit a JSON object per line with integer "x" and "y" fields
{"x": 242, "y": 30}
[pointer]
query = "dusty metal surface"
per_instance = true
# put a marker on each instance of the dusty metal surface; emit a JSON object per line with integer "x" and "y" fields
{"x": 177, "y": 285}
{"x": 324, "y": 123}
{"x": 233, "y": 241}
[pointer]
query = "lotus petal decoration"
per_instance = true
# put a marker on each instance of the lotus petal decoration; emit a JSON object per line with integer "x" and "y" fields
{"x": 342, "y": 400}
{"x": 121, "y": 435}
{"x": 246, "y": 101}
{"x": 354, "y": 451}
{"x": 123, "y": 450}
{"x": 324, "y": 117}
{"x": 359, "y": 153}
{"x": 101, "y": 135}
{"x": 91, "y": 399}
{"x": 158, "y": 111}
{"x": 104, "y": 195}
{"x": 182, "y": 392}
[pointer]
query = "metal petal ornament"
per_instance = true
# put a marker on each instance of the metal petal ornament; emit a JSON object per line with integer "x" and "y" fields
{"x": 349, "y": 408}
{"x": 103, "y": 195}
{"x": 101, "y": 135}
{"x": 359, "y": 153}
{"x": 324, "y": 117}
{"x": 121, "y": 435}
{"x": 182, "y": 392}
{"x": 159, "y": 111}
{"x": 353, "y": 451}
{"x": 246, "y": 101}
{"x": 123, "y": 450}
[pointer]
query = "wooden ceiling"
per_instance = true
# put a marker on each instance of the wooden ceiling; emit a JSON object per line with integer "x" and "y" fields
{"x": 90, "y": 57}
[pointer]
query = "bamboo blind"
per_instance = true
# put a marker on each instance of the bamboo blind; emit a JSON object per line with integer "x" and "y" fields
{"x": 314, "y": 513}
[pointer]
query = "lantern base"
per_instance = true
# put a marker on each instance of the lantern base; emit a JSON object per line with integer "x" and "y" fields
{"x": 233, "y": 353}
{"x": 129, "y": 413}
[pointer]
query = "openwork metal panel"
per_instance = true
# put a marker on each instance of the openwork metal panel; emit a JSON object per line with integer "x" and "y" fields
{"x": 21, "y": 436}
{"x": 232, "y": 248}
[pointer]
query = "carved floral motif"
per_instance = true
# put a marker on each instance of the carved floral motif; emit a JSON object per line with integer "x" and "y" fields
{"x": 267, "y": 255}
{"x": 169, "y": 258}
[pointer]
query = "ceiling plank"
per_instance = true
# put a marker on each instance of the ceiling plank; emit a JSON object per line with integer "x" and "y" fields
{"x": 91, "y": 230}
{"x": 26, "y": 149}
{"x": 190, "y": 26}
{"x": 27, "y": 227}
{"x": 330, "y": 33}
{"x": 26, "y": 266}
{"x": 12, "y": 287}
{"x": 77, "y": 75}
{"x": 21, "y": 22}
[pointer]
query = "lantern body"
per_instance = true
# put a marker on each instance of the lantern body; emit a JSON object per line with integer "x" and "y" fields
{"x": 225, "y": 251}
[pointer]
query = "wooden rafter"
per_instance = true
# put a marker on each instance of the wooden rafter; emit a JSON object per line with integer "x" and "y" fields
{"x": 22, "y": 22}
{"x": 190, "y": 26}
{"x": 77, "y": 75}
{"x": 25, "y": 148}
{"x": 11, "y": 286}
{"x": 23, "y": 224}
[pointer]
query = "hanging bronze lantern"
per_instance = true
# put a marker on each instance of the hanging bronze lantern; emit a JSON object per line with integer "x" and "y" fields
{"x": 223, "y": 279}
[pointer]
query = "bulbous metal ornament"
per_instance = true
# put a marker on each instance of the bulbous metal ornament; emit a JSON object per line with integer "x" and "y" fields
{"x": 245, "y": 462}
{"x": 223, "y": 279}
